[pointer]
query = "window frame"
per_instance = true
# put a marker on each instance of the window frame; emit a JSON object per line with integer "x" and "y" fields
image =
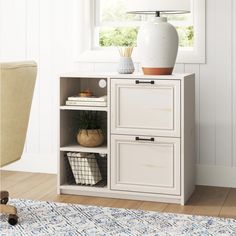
{"x": 98, "y": 54}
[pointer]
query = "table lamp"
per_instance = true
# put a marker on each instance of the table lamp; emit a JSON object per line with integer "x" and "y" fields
{"x": 157, "y": 40}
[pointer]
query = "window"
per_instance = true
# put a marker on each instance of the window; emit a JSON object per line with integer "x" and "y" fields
{"x": 112, "y": 26}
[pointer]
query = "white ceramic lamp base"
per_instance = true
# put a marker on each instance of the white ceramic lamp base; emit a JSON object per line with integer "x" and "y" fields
{"x": 158, "y": 47}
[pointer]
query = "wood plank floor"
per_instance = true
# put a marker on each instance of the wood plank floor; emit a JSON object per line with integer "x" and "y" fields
{"x": 210, "y": 201}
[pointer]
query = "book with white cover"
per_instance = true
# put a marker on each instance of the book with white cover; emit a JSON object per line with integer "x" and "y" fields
{"x": 88, "y": 99}
{"x": 79, "y": 103}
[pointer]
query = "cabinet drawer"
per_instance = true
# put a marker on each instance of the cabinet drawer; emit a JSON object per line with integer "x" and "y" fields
{"x": 149, "y": 166}
{"x": 147, "y": 107}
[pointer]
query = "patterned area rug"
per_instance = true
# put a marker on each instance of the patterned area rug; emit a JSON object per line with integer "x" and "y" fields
{"x": 57, "y": 219}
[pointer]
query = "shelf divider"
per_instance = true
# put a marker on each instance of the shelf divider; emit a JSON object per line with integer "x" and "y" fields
{"x": 77, "y": 148}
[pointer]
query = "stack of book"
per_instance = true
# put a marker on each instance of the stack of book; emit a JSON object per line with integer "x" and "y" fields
{"x": 87, "y": 101}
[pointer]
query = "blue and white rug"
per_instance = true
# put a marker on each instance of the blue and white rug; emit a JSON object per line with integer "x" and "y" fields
{"x": 59, "y": 219}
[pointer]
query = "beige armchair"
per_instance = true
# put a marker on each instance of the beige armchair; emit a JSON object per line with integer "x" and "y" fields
{"x": 17, "y": 82}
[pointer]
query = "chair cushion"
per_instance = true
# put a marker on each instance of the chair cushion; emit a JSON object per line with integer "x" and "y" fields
{"x": 17, "y": 82}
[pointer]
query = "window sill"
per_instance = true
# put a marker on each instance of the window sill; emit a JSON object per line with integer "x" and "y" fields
{"x": 112, "y": 56}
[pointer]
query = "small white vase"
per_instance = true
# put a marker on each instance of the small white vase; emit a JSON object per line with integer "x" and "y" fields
{"x": 126, "y": 65}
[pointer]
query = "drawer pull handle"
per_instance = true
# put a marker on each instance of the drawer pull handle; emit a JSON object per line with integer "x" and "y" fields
{"x": 145, "y": 139}
{"x": 144, "y": 82}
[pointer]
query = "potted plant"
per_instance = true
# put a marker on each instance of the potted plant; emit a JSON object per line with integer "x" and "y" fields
{"x": 90, "y": 132}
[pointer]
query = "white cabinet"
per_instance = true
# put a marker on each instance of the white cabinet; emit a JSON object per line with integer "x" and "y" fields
{"x": 143, "y": 164}
{"x": 149, "y": 148}
{"x": 147, "y": 107}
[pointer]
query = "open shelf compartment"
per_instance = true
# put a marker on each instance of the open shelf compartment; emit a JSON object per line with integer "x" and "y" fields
{"x": 72, "y": 86}
{"x": 83, "y": 172}
{"x": 69, "y": 126}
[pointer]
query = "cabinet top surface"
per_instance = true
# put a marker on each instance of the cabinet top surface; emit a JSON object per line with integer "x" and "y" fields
{"x": 91, "y": 75}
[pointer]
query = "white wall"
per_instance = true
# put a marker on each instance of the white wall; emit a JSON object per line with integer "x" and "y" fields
{"x": 46, "y": 31}
{"x": 43, "y": 31}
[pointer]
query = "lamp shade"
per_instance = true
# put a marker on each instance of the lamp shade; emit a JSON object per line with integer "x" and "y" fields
{"x": 149, "y": 6}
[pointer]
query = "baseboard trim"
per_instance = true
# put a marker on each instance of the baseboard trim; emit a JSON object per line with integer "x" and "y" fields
{"x": 218, "y": 176}
{"x": 34, "y": 163}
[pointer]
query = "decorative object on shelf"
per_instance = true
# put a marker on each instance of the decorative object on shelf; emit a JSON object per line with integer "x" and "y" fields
{"x": 126, "y": 65}
{"x": 86, "y": 93}
{"x": 157, "y": 41}
{"x": 87, "y": 101}
{"x": 102, "y": 83}
{"x": 90, "y": 137}
{"x": 85, "y": 168}
{"x": 90, "y": 133}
